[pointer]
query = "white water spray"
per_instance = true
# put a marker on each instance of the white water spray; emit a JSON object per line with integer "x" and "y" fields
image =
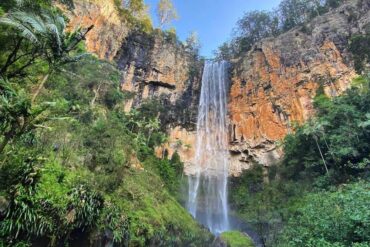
{"x": 207, "y": 199}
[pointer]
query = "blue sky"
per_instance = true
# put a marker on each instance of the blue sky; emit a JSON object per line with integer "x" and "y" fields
{"x": 213, "y": 20}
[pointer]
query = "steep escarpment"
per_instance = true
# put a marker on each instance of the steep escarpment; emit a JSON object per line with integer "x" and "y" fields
{"x": 274, "y": 84}
{"x": 110, "y": 28}
{"x": 154, "y": 65}
{"x": 158, "y": 66}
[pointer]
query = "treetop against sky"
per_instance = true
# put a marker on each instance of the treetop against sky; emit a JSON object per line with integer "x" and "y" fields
{"x": 213, "y": 20}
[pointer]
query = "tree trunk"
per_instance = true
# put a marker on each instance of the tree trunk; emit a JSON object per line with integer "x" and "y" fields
{"x": 322, "y": 156}
{"x": 46, "y": 77}
{"x": 150, "y": 134}
{"x": 12, "y": 57}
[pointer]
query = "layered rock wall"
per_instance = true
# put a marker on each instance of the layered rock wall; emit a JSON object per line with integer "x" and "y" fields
{"x": 153, "y": 65}
{"x": 110, "y": 28}
{"x": 274, "y": 84}
{"x": 158, "y": 66}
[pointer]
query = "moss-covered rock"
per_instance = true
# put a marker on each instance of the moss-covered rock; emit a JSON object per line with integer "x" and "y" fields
{"x": 237, "y": 239}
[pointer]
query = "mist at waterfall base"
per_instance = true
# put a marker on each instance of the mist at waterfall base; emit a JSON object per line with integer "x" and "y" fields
{"x": 207, "y": 198}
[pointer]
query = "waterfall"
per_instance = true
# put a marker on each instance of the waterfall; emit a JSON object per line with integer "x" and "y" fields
{"x": 207, "y": 199}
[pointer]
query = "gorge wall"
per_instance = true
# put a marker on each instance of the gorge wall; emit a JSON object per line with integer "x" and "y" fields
{"x": 272, "y": 86}
{"x": 154, "y": 65}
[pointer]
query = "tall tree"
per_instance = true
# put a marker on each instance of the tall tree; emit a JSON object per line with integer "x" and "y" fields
{"x": 254, "y": 26}
{"x": 166, "y": 12}
{"x": 224, "y": 52}
{"x": 192, "y": 43}
{"x": 44, "y": 35}
{"x": 39, "y": 38}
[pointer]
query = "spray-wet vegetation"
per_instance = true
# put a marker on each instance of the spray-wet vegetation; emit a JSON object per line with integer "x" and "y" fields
{"x": 77, "y": 169}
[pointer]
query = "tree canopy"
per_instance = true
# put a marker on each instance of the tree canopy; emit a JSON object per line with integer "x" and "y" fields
{"x": 166, "y": 12}
{"x": 256, "y": 25}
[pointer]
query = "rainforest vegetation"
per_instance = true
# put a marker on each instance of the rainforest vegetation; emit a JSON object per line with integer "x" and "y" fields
{"x": 318, "y": 195}
{"x": 75, "y": 168}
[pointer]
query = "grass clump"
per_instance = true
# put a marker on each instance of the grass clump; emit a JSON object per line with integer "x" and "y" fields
{"x": 236, "y": 239}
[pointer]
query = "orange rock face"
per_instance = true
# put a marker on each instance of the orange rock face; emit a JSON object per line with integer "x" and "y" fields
{"x": 109, "y": 31}
{"x": 181, "y": 141}
{"x": 273, "y": 85}
{"x": 268, "y": 97}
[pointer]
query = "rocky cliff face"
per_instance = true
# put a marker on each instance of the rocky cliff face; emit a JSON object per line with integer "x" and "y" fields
{"x": 110, "y": 28}
{"x": 153, "y": 66}
{"x": 274, "y": 84}
{"x": 158, "y": 66}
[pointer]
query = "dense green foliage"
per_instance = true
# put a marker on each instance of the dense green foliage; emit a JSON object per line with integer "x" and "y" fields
{"x": 256, "y": 25}
{"x": 236, "y": 239}
{"x": 330, "y": 218}
{"x": 318, "y": 195}
{"x": 337, "y": 139}
{"x": 75, "y": 168}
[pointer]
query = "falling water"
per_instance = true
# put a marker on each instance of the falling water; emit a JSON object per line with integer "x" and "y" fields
{"x": 207, "y": 200}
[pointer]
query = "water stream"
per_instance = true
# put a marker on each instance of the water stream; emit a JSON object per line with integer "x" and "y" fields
{"x": 207, "y": 199}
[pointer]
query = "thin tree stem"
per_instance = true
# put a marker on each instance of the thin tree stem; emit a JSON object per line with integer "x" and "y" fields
{"x": 322, "y": 156}
{"x": 41, "y": 85}
{"x": 11, "y": 57}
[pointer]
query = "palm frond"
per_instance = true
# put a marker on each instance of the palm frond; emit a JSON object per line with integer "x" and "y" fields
{"x": 25, "y": 31}
{"x": 55, "y": 34}
{"x": 30, "y": 20}
{"x": 29, "y": 35}
{"x": 69, "y": 59}
{"x": 61, "y": 25}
